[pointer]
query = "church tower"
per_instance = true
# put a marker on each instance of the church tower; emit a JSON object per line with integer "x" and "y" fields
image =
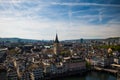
{"x": 56, "y": 45}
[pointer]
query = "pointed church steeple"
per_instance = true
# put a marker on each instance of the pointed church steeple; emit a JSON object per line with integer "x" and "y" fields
{"x": 56, "y": 45}
{"x": 56, "y": 39}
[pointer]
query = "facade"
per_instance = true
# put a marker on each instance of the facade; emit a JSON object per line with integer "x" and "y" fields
{"x": 76, "y": 65}
{"x": 12, "y": 74}
{"x": 117, "y": 60}
{"x": 100, "y": 61}
{"x": 3, "y": 55}
{"x": 38, "y": 73}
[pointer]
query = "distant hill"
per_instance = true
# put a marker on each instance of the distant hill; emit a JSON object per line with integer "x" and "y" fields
{"x": 33, "y": 40}
{"x": 17, "y": 40}
{"x": 113, "y": 38}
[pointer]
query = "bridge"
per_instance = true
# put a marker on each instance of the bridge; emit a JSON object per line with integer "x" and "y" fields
{"x": 117, "y": 66}
{"x": 107, "y": 70}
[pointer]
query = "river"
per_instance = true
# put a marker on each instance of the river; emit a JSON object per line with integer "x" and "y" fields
{"x": 92, "y": 76}
{"x": 89, "y": 76}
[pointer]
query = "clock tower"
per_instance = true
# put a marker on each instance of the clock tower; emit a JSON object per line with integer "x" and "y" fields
{"x": 56, "y": 46}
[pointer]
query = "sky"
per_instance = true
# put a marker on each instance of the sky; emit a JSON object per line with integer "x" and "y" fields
{"x": 70, "y": 19}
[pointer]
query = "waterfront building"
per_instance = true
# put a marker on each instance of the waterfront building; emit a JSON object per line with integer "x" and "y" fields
{"x": 76, "y": 65}
{"x": 100, "y": 61}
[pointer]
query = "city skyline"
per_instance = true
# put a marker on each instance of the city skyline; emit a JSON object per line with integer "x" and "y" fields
{"x": 73, "y": 19}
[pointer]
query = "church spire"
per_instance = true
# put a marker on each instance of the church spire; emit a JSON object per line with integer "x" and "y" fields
{"x": 56, "y": 39}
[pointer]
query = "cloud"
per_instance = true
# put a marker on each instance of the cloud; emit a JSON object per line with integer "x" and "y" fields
{"x": 86, "y": 4}
{"x": 91, "y": 31}
{"x": 40, "y": 30}
{"x": 40, "y": 19}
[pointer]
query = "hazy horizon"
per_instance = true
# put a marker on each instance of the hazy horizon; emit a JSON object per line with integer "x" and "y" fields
{"x": 58, "y": 38}
{"x": 72, "y": 19}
